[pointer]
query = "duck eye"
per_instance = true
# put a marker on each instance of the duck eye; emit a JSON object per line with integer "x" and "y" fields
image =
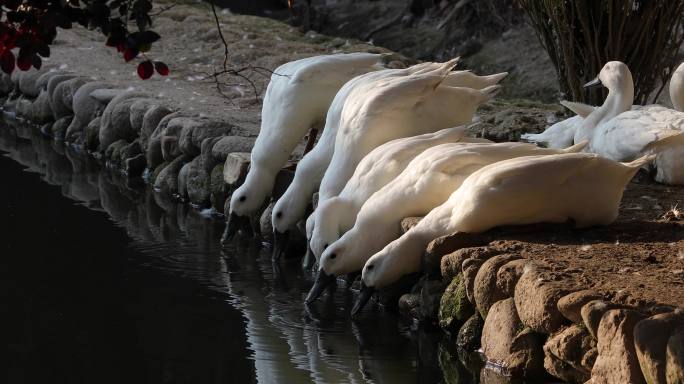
{"x": 242, "y": 198}
{"x": 279, "y": 215}
{"x": 370, "y": 267}
{"x": 333, "y": 255}
{"x": 325, "y": 245}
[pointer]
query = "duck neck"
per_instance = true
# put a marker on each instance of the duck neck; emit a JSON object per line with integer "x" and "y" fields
{"x": 677, "y": 90}
{"x": 619, "y": 99}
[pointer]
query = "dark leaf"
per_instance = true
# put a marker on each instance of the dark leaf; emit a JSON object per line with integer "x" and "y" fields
{"x": 16, "y": 16}
{"x": 12, "y": 4}
{"x": 42, "y": 49}
{"x": 144, "y": 37}
{"x": 24, "y": 61}
{"x": 130, "y": 54}
{"x": 7, "y": 61}
{"x": 145, "y": 69}
{"x": 36, "y": 61}
{"x": 161, "y": 68}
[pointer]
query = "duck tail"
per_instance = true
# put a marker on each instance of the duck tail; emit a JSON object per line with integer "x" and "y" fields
{"x": 640, "y": 162}
{"x": 580, "y": 109}
{"x": 496, "y": 78}
{"x": 451, "y": 64}
{"x": 489, "y": 92}
{"x": 670, "y": 138}
{"x": 577, "y": 147}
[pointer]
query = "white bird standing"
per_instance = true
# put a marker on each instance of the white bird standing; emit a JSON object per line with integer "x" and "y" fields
{"x": 297, "y": 98}
{"x": 582, "y": 187}
{"x": 618, "y": 133}
{"x": 427, "y": 182}
{"x": 561, "y": 134}
{"x": 291, "y": 206}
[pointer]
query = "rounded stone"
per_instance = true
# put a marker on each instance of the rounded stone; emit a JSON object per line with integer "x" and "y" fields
{"x": 536, "y": 298}
{"x": 454, "y": 307}
{"x": 485, "y": 291}
{"x": 651, "y": 336}
{"x": 675, "y": 358}
{"x": 508, "y": 275}
{"x": 571, "y": 305}
{"x": 509, "y": 344}
{"x": 617, "y": 359}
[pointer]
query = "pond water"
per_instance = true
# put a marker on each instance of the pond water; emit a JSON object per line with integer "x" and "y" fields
{"x": 104, "y": 281}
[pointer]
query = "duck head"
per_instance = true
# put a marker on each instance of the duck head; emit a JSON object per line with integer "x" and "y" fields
{"x": 250, "y": 196}
{"x": 615, "y": 75}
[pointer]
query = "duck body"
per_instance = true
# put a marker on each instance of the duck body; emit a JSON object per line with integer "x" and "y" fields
{"x": 297, "y": 98}
{"x": 427, "y": 182}
{"x": 388, "y": 109}
{"x": 291, "y": 207}
{"x": 582, "y": 187}
{"x": 336, "y": 215}
{"x": 622, "y": 133}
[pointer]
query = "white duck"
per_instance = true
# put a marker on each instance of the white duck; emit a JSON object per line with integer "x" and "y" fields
{"x": 425, "y": 183}
{"x": 297, "y": 98}
{"x": 291, "y": 206}
{"x": 561, "y": 134}
{"x": 336, "y": 215}
{"x": 582, "y": 187}
{"x": 618, "y": 133}
{"x": 677, "y": 88}
{"x": 387, "y": 109}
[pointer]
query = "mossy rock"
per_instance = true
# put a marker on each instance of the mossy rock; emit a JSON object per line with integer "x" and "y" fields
{"x": 454, "y": 307}
{"x": 217, "y": 188}
{"x": 470, "y": 335}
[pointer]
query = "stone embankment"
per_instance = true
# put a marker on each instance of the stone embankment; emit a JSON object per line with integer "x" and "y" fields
{"x": 599, "y": 304}
{"x": 576, "y": 304}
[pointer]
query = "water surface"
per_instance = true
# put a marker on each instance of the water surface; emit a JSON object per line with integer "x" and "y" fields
{"x": 104, "y": 280}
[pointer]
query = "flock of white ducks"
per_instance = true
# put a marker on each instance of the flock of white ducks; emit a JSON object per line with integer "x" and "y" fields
{"x": 393, "y": 145}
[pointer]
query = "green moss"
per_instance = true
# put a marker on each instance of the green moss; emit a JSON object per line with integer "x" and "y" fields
{"x": 454, "y": 307}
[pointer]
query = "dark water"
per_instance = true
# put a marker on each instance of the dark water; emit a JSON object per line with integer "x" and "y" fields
{"x": 104, "y": 282}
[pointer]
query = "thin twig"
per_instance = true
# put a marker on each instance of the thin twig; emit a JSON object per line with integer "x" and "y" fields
{"x": 163, "y": 9}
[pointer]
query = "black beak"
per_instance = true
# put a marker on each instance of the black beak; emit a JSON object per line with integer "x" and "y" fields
{"x": 280, "y": 240}
{"x": 594, "y": 83}
{"x": 309, "y": 258}
{"x": 233, "y": 225}
{"x": 322, "y": 281}
{"x": 364, "y": 295}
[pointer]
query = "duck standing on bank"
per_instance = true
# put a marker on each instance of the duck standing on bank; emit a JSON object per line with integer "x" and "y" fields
{"x": 291, "y": 206}
{"x": 297, "y": 98}
{"x": 561, "y": 134}
{"x": 618, "y": 133}
{"x": 583, "y": 187}
{"x": 427, "y": 182}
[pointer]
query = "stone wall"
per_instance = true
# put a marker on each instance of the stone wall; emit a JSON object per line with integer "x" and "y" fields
{"x": 531, "y": 318}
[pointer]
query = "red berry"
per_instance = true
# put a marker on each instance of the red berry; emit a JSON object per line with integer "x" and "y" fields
{"x": 145, "y": 69}
{"x": 161, "y": 68}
